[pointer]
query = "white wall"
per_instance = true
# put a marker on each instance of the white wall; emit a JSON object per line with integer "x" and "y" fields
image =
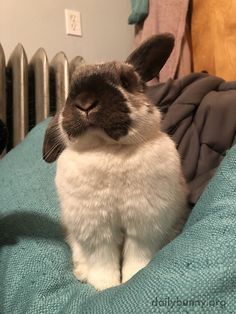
{"x": 41, "y": 23}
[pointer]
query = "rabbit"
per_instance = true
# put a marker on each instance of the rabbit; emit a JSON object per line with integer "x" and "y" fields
{"x": 119, "y": 179}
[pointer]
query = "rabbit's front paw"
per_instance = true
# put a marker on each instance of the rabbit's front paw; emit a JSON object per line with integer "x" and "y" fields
{"x": 81, "y": 272}
{"x": 104, "y": 278}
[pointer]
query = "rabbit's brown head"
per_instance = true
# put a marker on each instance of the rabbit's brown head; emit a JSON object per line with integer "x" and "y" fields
{"x": 107, "y": 101}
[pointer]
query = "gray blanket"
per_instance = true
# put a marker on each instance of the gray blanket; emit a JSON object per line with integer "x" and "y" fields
{"x": 199, "y": 112}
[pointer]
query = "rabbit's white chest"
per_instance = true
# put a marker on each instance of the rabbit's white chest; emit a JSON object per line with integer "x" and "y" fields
{"x": 116, "y": 188}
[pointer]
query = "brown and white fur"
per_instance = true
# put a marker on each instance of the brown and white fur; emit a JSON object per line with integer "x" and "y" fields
{"x": 119, "y": 179}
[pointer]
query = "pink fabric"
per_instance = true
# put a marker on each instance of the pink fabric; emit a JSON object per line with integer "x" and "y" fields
{"x": 166, "y": 16}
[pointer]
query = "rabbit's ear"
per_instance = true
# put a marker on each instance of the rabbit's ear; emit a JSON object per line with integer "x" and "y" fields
{"x": 149, "y": 58}
{"x": 53, "y": 144}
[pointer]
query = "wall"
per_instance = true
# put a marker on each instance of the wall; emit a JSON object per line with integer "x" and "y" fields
{"x": 106, "y": 34}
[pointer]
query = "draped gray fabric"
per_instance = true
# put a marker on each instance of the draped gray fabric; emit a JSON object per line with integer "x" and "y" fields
{"x": 199, "y": 113}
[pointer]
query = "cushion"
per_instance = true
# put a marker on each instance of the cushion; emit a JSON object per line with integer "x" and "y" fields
{"x": 194, "y": 273}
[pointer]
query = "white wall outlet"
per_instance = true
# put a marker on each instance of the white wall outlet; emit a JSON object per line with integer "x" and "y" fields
{"x": 73, "y": 22}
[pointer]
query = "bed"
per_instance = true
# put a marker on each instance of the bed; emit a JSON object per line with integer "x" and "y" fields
{"x": 195, "y": 272}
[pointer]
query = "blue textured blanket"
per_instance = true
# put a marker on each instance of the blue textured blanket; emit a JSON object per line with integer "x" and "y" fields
{"x": 194, "y": 273}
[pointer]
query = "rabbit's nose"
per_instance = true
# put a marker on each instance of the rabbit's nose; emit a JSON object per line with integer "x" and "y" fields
{"x": 87, "y": 106}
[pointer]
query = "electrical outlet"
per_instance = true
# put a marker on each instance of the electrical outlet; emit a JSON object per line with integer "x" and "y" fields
{"x": 73, "y": 22}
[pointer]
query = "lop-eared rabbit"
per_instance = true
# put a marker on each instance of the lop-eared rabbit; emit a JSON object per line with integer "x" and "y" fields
{"x": 119, "y": 179}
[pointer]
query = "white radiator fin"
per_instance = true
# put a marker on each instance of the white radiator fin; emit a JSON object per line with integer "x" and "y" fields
{"x": 30, "y": 92}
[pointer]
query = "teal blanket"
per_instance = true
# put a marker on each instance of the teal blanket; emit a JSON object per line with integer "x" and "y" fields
{"x": 195, "y": 273}
{"x": 139, "y": 12}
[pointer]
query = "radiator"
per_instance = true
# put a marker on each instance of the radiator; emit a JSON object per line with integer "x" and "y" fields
{"x": 32, "y": 91}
